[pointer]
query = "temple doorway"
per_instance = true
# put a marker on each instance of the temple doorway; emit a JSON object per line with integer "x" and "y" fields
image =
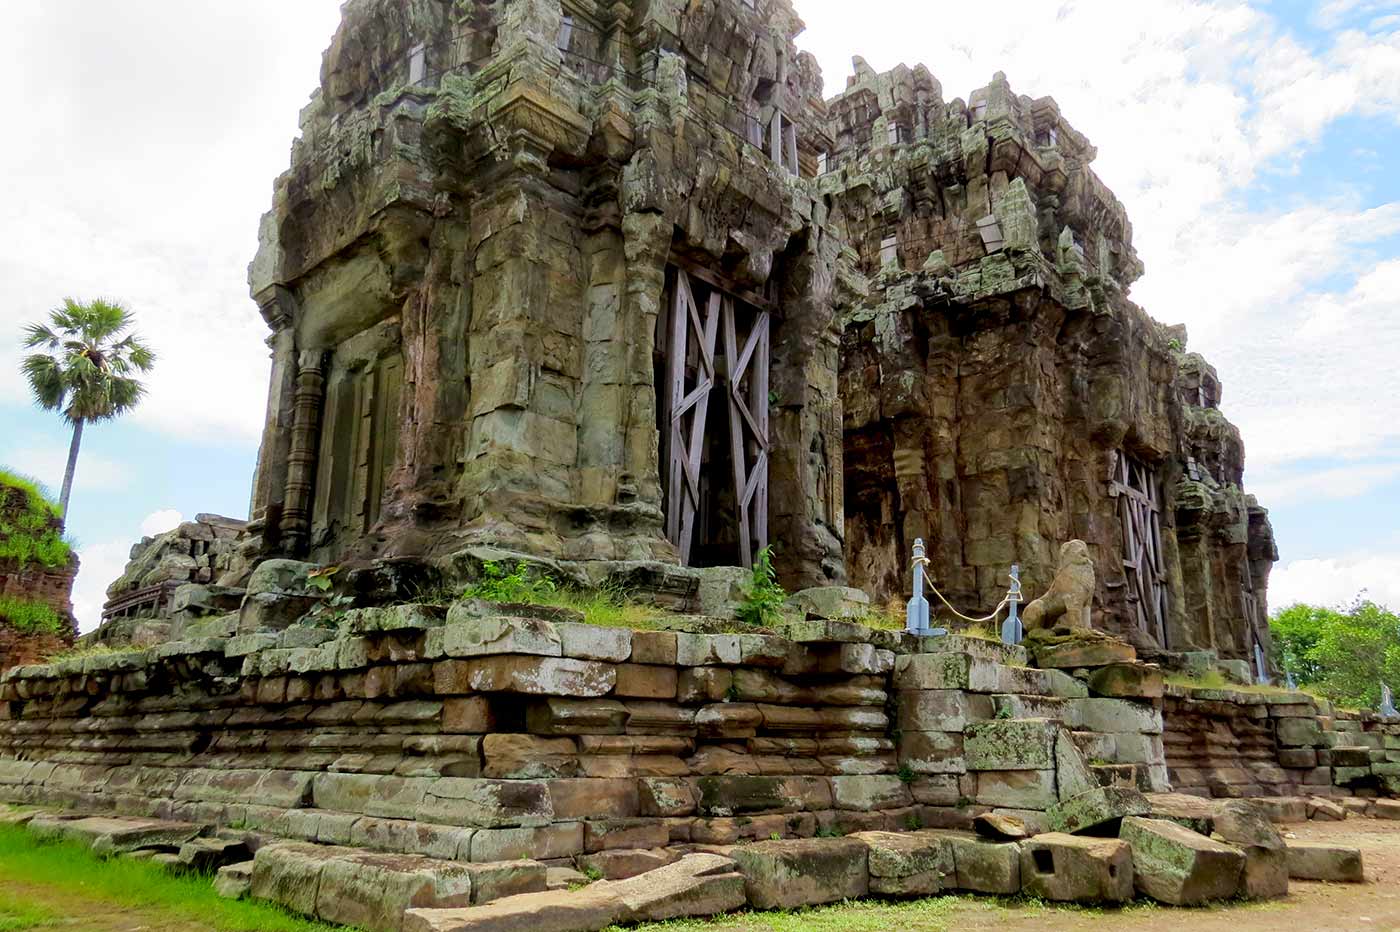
{"x": 713, "y": 352}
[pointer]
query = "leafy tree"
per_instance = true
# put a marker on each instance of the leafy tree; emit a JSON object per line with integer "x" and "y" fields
{"x": 87, "y": 370}
{"x": 1343, "y": 654}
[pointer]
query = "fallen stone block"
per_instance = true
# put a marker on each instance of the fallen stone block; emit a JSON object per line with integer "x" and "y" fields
{"x": 586, "y": 910}
{"x": 372, "y": 891}
{"x": 1325, "y": 810}
{"x": 289, "y": 874}
{"x": 1245, "y": 824}
{"x": 1387, "y": 809}
{"x": 234, "y": 881}
{"x": 206, "y": 855}
{"x": 1317, "y": 861}
{"x": 803, "y": 872}
{"x": 1000, "y": 826}
{"x": 1016, "y": 789}
{"x": 700, "y": 884}
{"x": 1076, "y": 868}
{"x": 1285, "y": 808}
{"x": 1177, "y": 866}
{"x": 915, "y": 864}
{"x": 107, "y": 836}
{"x": 983, "y": 866}
{"x": 1192, "y": 812}
{"x": 1097, "y": 807}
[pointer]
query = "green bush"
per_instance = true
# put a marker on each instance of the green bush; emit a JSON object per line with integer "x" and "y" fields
{"x": 29, "y": 617}
{"x": 500, "y": 585}
{"x": 1343, "y": 655}
{"x": 27, "y": 536}
{"x": 763, "y": 602}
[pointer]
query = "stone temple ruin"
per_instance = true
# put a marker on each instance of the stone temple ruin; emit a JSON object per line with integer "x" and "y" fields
{"x": 613, "y": 293}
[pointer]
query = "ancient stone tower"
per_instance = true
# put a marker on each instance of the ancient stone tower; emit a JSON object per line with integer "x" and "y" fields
{"x": 1001, "y": 393}
{"x": 556, "y": 279}
{"x": 613, "y": 283}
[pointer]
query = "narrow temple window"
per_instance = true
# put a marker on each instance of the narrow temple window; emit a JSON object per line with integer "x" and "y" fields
{"x": 1047, "y": 137}
{"x": 790, "y": 147}
{"x": 889, "y": 251}
{"x": 751, "y": 4}
{"x": 892, "y": 131}
{"x": 566, "y": 33}
{"x": 979, "y": 110}
{"x": 822, "y": 164}
{"x": 417, "y": 64}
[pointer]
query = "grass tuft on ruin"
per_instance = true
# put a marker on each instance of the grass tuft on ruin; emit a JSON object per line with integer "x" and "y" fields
{"x": 30, "y": 617}
{"x": 29, "y": 535}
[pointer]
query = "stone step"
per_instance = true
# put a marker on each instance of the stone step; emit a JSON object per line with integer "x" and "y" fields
{"x": 1013, "y": 655}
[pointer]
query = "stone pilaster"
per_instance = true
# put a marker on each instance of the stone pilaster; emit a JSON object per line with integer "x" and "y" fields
{"x": 301, "y": 461}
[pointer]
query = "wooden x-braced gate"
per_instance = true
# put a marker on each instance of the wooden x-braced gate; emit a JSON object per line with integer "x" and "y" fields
{"x": 690, "y": 378}
{"x": 1140, "y": 512}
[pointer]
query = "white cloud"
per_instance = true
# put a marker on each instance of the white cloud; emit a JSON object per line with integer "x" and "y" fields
{"x": 1329, "y": 484}
{"x": 158, "y": 522}
{"x": 1337, "y": 581}
{"x": 146, "y": 162}
{"x": 100, "y": 565}
{"x": 46, "y": 461}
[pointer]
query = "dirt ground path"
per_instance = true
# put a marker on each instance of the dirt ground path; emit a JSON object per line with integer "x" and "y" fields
{"x": 1310, "y": 907}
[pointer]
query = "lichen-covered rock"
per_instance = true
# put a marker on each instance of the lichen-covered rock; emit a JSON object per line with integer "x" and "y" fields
{"x": 1097, "y": 807}
{"x": 803, "y": 872}
{"x": 1321, "y": 861}
{"x": 1077, "y": 868}
{"x": 917, "y": 864}
{"x": 1175, "y": 865}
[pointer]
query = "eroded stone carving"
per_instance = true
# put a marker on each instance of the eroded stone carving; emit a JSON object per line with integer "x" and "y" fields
{"x": 1069, "y": 601}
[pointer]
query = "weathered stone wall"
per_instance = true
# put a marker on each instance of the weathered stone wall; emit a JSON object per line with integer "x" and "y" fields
{"x": 485, "y": 737}
{"x": 995, "y": 375}
{"x": 464, "y": 271}
{"x": 1230, "y": 743}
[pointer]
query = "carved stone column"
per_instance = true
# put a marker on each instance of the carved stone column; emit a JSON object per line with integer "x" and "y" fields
{"x": 301, "y": 462}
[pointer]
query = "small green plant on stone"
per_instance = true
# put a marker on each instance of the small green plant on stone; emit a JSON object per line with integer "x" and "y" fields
{"x": 907, "y": 774}
{"x": 1004, "y": 712}
{"x": 829, "y": 831}
{"x": 913, "y": 823}
{"x": 499, "y": 585}
{"x": 763, "y": 602}
{"x": 327, "y": 613}
{"x": 592, "y": 872}
{"x": 774, "y": 836}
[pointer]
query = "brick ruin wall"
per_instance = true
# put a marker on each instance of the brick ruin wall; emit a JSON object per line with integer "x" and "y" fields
{"x": 32, "y": 582}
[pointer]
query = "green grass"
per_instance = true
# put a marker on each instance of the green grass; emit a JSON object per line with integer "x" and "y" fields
{"x": 16, "y": 915}
{"x": 608, "y": 608}
{"x": 71, "y": 868}
{"x": 27, "y": 536}
{"x": 29, "y": 617}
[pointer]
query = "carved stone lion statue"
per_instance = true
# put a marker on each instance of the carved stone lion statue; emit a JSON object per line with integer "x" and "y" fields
{"x": 1071, "y": 593}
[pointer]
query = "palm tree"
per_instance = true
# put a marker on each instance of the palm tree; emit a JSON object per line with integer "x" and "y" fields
{"x": 88, "y": 373}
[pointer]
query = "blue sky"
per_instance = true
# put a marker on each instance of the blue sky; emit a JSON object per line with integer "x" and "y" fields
{"x": 1256, "y": 146}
